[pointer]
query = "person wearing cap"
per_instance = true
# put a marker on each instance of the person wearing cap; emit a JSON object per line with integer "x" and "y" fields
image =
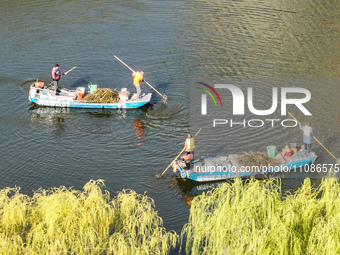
{"x": 308, "y": 132}
{"x": 138, "y": 78}
{"x": 56, "y": 75}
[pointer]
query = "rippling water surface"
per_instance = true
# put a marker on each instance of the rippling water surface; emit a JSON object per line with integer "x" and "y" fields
{"x": 174, "y": 43}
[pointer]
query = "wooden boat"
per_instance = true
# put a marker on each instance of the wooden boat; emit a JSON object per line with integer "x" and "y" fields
{"x": 70, "y": 99}
{"x": 228, "y": 167}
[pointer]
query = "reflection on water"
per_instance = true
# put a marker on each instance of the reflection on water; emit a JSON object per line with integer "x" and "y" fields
{"x": 190, "y": 189}
{"x": 38, "y": 113}
{"x": 52, "y": 118}
{"x": 139, "y": 130}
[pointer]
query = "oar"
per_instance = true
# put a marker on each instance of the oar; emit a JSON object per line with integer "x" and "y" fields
{"x": 65, "y": 72}
{"x": 163, "y": 96}
{"x": 171, "y": 163}
{"x": 314, "y": 138}
{"x": 176, "y": 157}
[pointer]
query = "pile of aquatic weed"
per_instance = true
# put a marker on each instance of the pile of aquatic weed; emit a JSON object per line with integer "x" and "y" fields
{"x": 254, "y": 217}
{"x": 101, "y": 95}
{"x": 255, "y": 159}
{"x": 67, "y": 221}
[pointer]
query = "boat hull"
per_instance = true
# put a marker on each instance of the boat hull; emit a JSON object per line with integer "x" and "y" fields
{"x": 77, "y": 104}
{"x": 228, "y": 170}
{"x": 45, "y": 97}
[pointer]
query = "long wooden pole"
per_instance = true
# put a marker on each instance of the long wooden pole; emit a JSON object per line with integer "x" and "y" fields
{"x": 172, "y": 162}
{"x": 163, "y": 96}
{"x": 65, "y": 72}
{"x": 314, "y": 137}
{"x": 178, "y": 155}
{"x": 70, "y": 69}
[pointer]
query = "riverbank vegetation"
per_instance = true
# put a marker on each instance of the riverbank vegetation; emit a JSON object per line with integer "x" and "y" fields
{"x": 255, "y": 217}
{"x": 238, "y": 217}
{"x": 67, "y": 221}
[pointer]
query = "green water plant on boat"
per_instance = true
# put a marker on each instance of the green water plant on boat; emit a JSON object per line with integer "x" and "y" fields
{"x": 102, "y": 95}
{"x": 255, "y": 159}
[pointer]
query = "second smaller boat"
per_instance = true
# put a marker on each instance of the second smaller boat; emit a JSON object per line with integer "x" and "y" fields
{"x": 228, "y": 167}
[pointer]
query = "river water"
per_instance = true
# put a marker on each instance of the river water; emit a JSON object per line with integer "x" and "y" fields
{"x": 175, "y": 43}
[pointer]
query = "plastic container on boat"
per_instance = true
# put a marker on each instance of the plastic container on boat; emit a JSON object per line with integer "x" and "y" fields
{"x": 271, "y": 151}
{"x": 39, "y": 84}
{"x": 124, "y": 95}
{"x": 80, "y": 92}
{"x": 92, "y": 88}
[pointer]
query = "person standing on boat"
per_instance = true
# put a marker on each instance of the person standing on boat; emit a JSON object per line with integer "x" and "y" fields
{"x": 56, "y": 75}
{"x": 308, "y": 132}
{"x": 138, "y": 78}
{"x": 190, "y": 144}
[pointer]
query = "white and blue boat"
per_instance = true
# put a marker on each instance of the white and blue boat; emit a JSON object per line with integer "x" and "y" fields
{"x": 228, "y": 167}
{"x": 70, "y": 99}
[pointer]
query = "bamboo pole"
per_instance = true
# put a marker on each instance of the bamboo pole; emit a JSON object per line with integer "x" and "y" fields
{"x": 172, "y": 162}
{"x": 163, "y": 96}
{"x": 178, "y": 155}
